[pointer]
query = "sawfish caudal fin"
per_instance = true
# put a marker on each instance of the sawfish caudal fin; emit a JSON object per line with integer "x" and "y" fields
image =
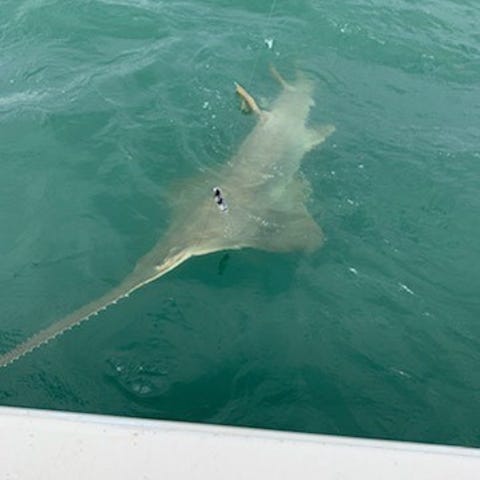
{"x": 137, "y": 279}
{"x": 276, "y": 75}
{"x": 248, "y": 99}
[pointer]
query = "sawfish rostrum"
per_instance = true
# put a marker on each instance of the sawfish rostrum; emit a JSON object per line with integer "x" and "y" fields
{"x": 266, "y": 204}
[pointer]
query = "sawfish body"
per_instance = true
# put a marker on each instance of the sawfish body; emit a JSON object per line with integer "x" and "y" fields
{"x": 265, "y": 197}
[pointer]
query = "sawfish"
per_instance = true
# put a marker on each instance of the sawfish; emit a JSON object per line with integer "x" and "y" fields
{"x": 261, "y": 194}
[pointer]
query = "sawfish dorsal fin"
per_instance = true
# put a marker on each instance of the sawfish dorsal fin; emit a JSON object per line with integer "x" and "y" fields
{"x": 317, "y": 135}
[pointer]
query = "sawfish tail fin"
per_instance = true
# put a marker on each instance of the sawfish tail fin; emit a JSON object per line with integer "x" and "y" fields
{"x": 249, "y": 102}
{"x": 302, "y": 82}
{"x": 137, "y": 279}
{"x": 248, "y": 99}
{"x": 276, "y": 75}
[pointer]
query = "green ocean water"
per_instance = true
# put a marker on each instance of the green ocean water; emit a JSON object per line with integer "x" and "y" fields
{"x": 105, "y": 104}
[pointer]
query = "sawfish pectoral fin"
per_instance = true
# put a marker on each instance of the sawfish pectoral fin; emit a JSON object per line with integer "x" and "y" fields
{"x": 298, "y": 233}
{"x": 317, "y": 135}
{"x": 288, "y": 225}
{"x": 248, "y": 99}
